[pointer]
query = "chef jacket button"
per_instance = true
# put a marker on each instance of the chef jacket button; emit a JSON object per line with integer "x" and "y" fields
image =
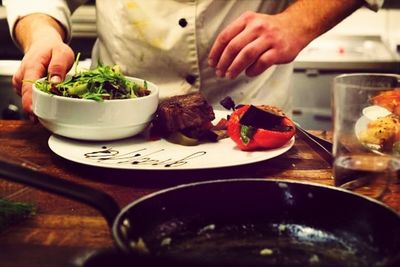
{"x": 191, "y": 79}
{"x": 183, "y": 22}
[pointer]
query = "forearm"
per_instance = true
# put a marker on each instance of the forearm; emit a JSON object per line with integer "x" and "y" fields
{"x": 37, "y": 26}
{"x": 315, "y": 17}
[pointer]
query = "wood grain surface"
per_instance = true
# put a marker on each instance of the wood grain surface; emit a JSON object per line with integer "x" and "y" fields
{"x": 67, "y": 233}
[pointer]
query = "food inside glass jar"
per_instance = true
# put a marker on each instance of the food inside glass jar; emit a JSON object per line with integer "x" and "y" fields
{"x": 382, "y": 133}
{"x": 389, "y": 100}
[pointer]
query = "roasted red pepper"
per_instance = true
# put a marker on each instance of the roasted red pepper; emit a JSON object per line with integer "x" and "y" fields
{"x": 251, "y": 138}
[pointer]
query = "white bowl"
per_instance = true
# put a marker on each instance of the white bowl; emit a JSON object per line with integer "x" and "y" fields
{"x": 92, "y": 120}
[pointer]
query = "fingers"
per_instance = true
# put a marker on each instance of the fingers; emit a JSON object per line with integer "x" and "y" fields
{"x": 248, "y": 56}
{"x": 239, "y": 45}
{"x": 55, "y": 60}
{"x": 237, "y": 58}
{"x": 60, "y": 62}
{"x": 266, "y": 60}
{"x": 223, "y": 39}
{"x": 17, "y": 80}
{"x": 32, "y": 73}
{"x": 253, "y": 43}
{"x": 236, "y": 46}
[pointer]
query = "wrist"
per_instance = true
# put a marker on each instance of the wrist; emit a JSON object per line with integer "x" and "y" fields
{"x": 312, "y": 18}
{"x": 37, "y": 27}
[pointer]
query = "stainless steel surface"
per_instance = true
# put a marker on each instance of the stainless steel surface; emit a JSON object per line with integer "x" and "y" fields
{"x": 84, "y": 22}
{"x": 311, "y": 98}
{"x": 10, "y": 102}
{"x": 348, "y": 53}
{"x": 327, "y": 57}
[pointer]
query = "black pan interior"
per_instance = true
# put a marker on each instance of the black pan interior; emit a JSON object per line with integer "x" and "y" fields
{"x": 256, "y": 222}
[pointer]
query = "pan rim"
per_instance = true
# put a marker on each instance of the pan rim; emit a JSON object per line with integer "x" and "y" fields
{"x": 117, "y": 221}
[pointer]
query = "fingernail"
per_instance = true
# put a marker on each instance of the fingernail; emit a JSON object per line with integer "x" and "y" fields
{"x": 219, "y": 73}
{"x": 55, "y": 79}
{"x": 228, "y": 75}
{"x": 211, "y": 62}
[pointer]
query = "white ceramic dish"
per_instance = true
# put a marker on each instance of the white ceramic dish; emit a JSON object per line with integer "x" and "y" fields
{"x": 374, "y": 112}
{"x": 94, "y": 121}
{"x": 140, "y": 154}
{"x": 370, "y": 113}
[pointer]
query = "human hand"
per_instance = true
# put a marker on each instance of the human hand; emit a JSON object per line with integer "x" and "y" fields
{"x": 43, "y": 57}
{"x": 253, "y": 43}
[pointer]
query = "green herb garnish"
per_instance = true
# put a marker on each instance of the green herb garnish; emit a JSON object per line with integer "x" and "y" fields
{"x": 103, "y": 82}
{"x": 246, "y": 133}
{"x": 12, "y": 212}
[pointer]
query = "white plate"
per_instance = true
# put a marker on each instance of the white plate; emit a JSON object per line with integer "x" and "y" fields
{"x": 136, "y": 153}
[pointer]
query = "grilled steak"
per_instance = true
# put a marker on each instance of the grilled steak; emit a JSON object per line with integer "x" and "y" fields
{"x": 189, "y": 114}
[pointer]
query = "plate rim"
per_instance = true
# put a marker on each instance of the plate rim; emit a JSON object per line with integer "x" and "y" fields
{"x": 275, "y": 153}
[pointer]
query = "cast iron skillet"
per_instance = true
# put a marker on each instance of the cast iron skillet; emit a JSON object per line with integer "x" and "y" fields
{"x": 241, "y": 222}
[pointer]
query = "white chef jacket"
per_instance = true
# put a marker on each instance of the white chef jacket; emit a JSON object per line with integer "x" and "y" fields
{"x": 167, "y": 42}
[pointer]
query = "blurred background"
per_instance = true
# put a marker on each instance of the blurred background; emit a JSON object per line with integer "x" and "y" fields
{"x": 364, "y": 42}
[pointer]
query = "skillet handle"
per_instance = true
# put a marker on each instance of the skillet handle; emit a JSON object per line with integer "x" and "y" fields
{"x": 102, "y": 202}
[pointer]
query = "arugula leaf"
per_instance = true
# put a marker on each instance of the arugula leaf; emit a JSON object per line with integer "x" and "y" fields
{"x": 103, "y": 82}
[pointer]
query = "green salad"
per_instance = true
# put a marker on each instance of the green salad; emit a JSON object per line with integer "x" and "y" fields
{"x": 102, "y": 83}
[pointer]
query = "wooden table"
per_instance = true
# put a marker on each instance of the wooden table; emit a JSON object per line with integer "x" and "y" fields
{"x": 67, "y": 233}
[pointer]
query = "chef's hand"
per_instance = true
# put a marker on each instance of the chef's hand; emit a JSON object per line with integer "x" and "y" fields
{"x": 253, "y": 43}
{"x": 44, "y": 53}
{"x": 54, "y": 58}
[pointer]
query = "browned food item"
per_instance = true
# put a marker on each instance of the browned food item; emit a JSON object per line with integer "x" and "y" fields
{"x": 389, "y": 100}
{"x": 189, "y": 114}
{"x": 382, "y": 132}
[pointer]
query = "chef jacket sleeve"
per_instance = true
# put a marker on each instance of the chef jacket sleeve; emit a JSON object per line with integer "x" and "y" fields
{"x": 60, "y": 10}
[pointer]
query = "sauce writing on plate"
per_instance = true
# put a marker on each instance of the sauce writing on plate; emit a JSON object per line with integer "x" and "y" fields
{"x": 140, "y": 157}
